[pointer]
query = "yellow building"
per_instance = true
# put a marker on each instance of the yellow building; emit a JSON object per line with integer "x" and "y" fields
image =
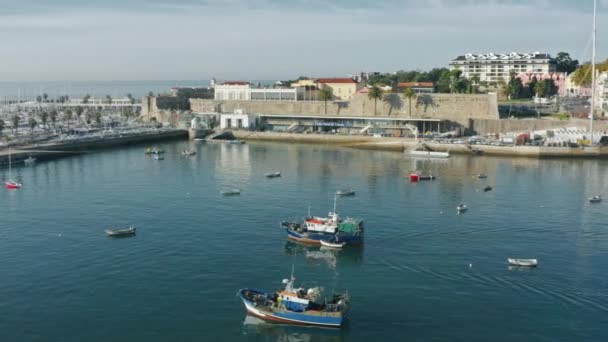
{"x": 303, "y": 83}
{"x": 342, "y": 88}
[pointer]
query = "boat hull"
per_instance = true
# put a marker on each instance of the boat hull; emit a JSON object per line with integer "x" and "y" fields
{"x": 289, "y": 317}
{"x": 315, "y": 238}
{"x": 12, "y": 185}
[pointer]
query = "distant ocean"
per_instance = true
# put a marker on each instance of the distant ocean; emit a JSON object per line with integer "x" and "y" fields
{"x": 75, "y": 89}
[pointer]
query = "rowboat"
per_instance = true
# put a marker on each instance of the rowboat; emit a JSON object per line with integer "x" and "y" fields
{"x": 332, "y": 243}
{"x": 415, "y": 177}
{"x": 595, "y": 199}
{"x": 523, "y": 262}
{"x": 296, "y": 305}
{"x": 345, "y": 192}
{"x": 273, "y": 175}
{"x": 120, "y": 232}
{"x": 461, "y": 208}
{"x": 230, "y": 192}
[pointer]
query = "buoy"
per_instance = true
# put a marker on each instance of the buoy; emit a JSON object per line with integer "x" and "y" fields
{"x": 470, "y": 265}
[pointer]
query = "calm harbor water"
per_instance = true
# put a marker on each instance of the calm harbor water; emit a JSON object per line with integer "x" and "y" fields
{"x": 424, "y": 273}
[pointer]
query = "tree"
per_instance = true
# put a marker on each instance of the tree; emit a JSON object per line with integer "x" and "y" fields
{"x": 68, "y": 117}
{"x": 15, "y": 119}
{"x": 409, "y": 94}
{"x": 53, "y": 116}
{"x": 108, "y": 99}
{"x": 131, "y": 98}
{"x": 79, "y": 111}
{"x": 532, "y": 87}
{"x": 38, "y": 98}
{"x": 1, "y": 126}
{"x": 375, "y": 93}
{"x": 516, "y": 87}
{"x": 32, "y": 123}
{"x": 475, "y": 84}
{"x": 564, "y": 63}
{"x": 97, "y": 117}
{"x": 44, "y": 116}
{"x": 326, "y": 94}
{"x": 545, "y": 88}
{"x": 86, "y": 99}
{"x": 45, "y": 97}
{"x": 582, "y": 76}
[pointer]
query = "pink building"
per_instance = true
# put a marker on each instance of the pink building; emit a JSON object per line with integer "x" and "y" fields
{"x": 558, "y": 77}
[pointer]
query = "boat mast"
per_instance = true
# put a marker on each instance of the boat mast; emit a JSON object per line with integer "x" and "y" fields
{"x": 335, "y": 203}
{"x": 591, "y": 111}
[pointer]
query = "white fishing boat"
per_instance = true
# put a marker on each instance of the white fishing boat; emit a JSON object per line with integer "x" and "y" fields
{"x": 230, "y": 192}
{"x": 595, "y": 199}
{"x": 273, "y": 175}
{"x": 332, "y": 243}
{"x": 523, "y": 262}
{"x": 461, "y": 208}
{"x": 345, "y": 192}
{"x": 120, "y": 232}
{"x": 429, "y": 154}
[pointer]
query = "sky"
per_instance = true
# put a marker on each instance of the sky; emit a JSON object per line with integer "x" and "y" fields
{"x": 56, "y": 40}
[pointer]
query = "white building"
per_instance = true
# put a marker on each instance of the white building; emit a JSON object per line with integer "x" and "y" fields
{"x": 601, "y": 92}
{"x": 244, "y": 91}
{"x": 237, "y": 120}
{"x": 492, "y": 67}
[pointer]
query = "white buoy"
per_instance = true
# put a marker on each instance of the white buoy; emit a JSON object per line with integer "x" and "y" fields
{"x": 470, "y": 265}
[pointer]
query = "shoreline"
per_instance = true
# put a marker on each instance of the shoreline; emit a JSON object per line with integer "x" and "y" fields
{"x": 400, "y": 144}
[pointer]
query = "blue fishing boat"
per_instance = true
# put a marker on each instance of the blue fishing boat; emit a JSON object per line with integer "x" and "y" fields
{"x": 298, "y": 306}
{"x": 332, "y": 228}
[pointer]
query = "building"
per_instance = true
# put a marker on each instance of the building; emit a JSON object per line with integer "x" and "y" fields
{"x": 245, "y": 91}
{"x": 559, "y": 78}
{"x": 492, "y": 68}
{"x": 342, "y": 88}
{"x": 363, "y": 76}
{"x": 417, "y": 87}
{"x": 237, "y": 120}
{"x": 601, "y": 92}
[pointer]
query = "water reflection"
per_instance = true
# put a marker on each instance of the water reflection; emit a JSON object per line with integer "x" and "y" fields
{"x": 349, "y": 255}
{"x": 264, "y": 331}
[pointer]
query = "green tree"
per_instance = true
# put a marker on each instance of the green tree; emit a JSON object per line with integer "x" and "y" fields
{"x": 375, "y": 93}
{"x": 409, "y": 94}
{"x": 68, "y": 117}
{"x": 15, "y": 119}
{"x": 45, "y": 97}
{"x": 131, "y": 98}
{"x": 44, "y": 117}
{"x": 540, "y": 89}
{"x": 564, "y": 63}
{"x": 53, "y": 116}
{"x": 108, "y": 99}
{"x": 79, "y": 111}
{"x": 86, "y": 99}
{"x": 1, "y": 126}
{"x": 39, "y": 99}
{"x": 32, "y": 123}
{"x": 326, "y": 94}
{"x": 97, "y": 117}
{"x": 516, "y": 87}
{"x": 582, "y": 76}
{"x": 532, "y": 87}
{"x": 475, "y": 84}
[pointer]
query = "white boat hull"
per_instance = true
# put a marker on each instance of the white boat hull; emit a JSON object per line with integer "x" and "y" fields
{"x": 523, "y": 262}
{"x": 429, "y": 154}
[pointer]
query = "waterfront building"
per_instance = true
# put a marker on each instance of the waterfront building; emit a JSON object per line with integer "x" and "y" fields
{"x": 363, "y": 76}
{"x": 342, "y": 88}
{"x": 575, "y": 90}
{"x": 559, "y": 78}
{"x": 237, "y": 120}
{"x": 245, "y": 91}
{"x": 601, "y": 95}
{"x": 417, "y": 87}
{"x": 493, "y": 68}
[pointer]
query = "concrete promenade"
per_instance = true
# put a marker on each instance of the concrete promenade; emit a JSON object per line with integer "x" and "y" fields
{"x": 400, "y": 144}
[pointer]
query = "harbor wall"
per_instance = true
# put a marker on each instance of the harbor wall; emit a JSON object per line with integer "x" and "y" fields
{"x": 482, "y": 126}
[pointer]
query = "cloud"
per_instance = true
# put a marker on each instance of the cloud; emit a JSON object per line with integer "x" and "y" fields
{"x": 271, "y": 39}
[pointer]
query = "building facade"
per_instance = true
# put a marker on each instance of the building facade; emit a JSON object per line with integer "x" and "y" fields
{"x": 492, "y": 68}
{"x": 417, "y": 87}
{"x": 559, "y": 78}
{"x": 601, "y": 93}
{"x": 244, "y": 91}
{"x": 342, "y": 88}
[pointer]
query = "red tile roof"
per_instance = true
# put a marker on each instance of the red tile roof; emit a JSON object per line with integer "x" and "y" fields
{"x": 335, "y": 80}
{"x": 416, "y": 85}
{"x": 236, "y": 83}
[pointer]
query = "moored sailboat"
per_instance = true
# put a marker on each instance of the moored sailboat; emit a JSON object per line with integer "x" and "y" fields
{"x": 10, "y": 183}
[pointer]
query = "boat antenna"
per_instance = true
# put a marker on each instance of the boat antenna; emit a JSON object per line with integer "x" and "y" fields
{"x": 335, "y": 202}
{"x": 592, "y": 75}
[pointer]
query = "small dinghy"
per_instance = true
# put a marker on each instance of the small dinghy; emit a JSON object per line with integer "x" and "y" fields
{"x": 12, "y": 185}
{"x": 482, "y": 176}
{"x": 158, "y": 157}
{"x": 415, "y": 177}
{"x": 188, "y": 153}
{"x": 273, "y": 175}
{"x": 332, "y": 243}
{"x": 345, "y": 192}
{"x": 487, "y": 188}
{"x": 461, "y": 208}
{"x": 230, "y": 192}
{"x": 121, "y": 232}
{"x": 595, "y": 199}
{"x": 523, "y": 262}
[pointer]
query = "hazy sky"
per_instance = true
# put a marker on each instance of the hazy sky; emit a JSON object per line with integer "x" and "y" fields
{"x": 275, "y": 39}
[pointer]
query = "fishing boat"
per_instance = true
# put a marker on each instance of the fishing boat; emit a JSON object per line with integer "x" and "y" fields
{"x": 595, "y": 199}
{"x": 120, "y": 232}
{"x": 314, "y": 229}
{"x": 333, "y": 243}
{"x": 188, "y": 153}
{"x": 487, "y": 188}
{"x": 482, "y": 176}
{"x": 345, "y": 192}
{"x": 461, "y": 208}
{"x": 10, "y": 183}
{"x": 523, "y": 262}
{"x": 298, "y": 306}
{"x": 236, "y": 142}
{"x": 429, "y": 154}
{"x": 230, "y": 192}
{"x": 273, "y": 175}
{"x": 416, "y": 176}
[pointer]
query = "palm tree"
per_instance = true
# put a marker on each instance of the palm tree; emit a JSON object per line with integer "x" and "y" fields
{"x": 79, "y": 111}
{"x": 375, "y": 93}
{"x": 109, "y": 99}
{"x": 97, "y": 116}
{"x": 131, "y": 99}
{"x": 86, "y": 98}
{"x": 44, "y": 116}
{"x": 68, "y": 117}
{"x": 409, "y": 94}
{"x": 45, "y": 97}
{"x": 53, "y": 116}
{"x": 32, "y": 123}
{"x": 16, "y": 118}
{"x": 326, "y": 94}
